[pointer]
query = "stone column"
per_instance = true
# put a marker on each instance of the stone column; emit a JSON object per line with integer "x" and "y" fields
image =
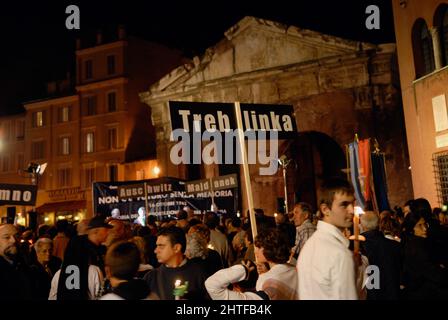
{"x": 436, "y": 47}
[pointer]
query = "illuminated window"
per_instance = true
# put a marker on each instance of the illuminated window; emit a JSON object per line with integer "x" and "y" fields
{"x": 65, "y": 177}
{"x": 90, "y": 142}
{"x": 112, "y": 138}
{"x": 64, "y": 114}
{"x": 38, "y": 119}
{"x": 64, "y": 146}
{"x": 440, "y": 164}
{"x": 89, "y": 177}
{"x": 140, "y": 174}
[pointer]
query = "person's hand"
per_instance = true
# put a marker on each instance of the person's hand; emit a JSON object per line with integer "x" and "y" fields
{"x": 181, "y": 290}
{"x": 248, "y": 265}
{"x": 262, "y": 268}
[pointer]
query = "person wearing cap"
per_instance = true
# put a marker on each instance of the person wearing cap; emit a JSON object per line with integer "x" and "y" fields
{"x": 182, "y": 221}
{"x": 83, "y": 264}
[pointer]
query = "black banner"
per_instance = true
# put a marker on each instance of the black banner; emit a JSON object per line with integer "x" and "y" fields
{"x": 166, "y": 196}
{"x": 198, "y": 117}
{"x": 18, "y": 194}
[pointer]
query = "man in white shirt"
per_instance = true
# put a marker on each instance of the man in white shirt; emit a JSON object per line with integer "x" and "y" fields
{"x": 325, "y": 267}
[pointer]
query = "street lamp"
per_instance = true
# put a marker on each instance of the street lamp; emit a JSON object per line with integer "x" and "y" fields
{"x": 284, "y": 162}
{"x": 35, "y": 170}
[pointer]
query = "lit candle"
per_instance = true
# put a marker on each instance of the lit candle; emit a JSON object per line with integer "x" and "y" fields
{"x": 176, "y": 285}
{"x": 356, "y": 232}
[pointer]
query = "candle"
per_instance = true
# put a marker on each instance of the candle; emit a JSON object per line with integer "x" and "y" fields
{"x": 176, "y": 285}
{"x": 356, "y": 232}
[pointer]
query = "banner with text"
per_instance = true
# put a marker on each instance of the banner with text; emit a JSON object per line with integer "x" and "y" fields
{"x": 198, "y": 117}
{"x": 165, "y": 197}
{"x": 18, "y": 194}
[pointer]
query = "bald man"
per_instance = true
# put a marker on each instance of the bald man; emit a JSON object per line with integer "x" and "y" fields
{"x": 14, "y": 282}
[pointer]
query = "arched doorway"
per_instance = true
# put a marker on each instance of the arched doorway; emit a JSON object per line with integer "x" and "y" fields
{"x": 316, "y": 157}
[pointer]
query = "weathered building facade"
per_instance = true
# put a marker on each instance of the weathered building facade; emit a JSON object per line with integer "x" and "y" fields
{"x": 422, "y": 42}
{"x": 337, "y": 88}
{"x": 92, "y": 129}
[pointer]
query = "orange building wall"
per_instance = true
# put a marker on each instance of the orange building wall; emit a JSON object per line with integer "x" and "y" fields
{"x": 417, "y": 97}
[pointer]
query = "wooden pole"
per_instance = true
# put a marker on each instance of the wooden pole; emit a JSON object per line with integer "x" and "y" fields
{"x": 247, "y": 182}
{"x": 146, "y": 203}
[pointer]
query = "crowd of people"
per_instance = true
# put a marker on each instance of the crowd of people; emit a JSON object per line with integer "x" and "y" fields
{"x": 306, "y": 254}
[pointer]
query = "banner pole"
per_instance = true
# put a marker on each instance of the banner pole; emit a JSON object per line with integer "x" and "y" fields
{"x": 212, "y": 207}
{"x": 247, "y": 182}
{"x": 146, "y": 203}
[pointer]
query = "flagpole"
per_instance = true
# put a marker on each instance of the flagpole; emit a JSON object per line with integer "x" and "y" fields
{"x": 247, "y": 182}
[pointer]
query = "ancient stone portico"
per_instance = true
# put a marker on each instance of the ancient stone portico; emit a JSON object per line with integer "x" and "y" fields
{"x": 337, "y": 88}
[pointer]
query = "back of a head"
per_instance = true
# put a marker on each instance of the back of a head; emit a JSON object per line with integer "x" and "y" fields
{"x": 275, "y": 245}
{"x": 389, "y": 226}
{"x": 176, "y": 236}
{"x": 421, "y": 205}
{"x": 306, "y": 208}
{"x": 333, "y": 186}
{"x": 151, "y": 219}
{"x": 62, "y": 225}
{"x": 211, "y": 220}
{"x": 202, "y": 230}
{"x": 182, "y": 215}
{"x": 123, "y": 260}
{"x": 369, "y": 221}
{"x": 236, "y": 222}
{"x": 196, "y": 246}
{"x": 42, "y": 231}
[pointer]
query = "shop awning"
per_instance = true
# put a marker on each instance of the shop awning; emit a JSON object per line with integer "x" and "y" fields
{"x": 61, "y": 206}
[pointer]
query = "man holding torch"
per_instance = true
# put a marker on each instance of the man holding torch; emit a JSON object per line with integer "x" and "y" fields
{"x": 325, "y": 267}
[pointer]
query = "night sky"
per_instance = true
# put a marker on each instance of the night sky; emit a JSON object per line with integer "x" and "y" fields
{"x": 36, "y": 47}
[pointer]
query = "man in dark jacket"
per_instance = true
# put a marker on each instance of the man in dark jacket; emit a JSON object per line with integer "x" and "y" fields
{"x": 385, "y": 254}
{"x": 14, "y": 282}
{"x": 175, "y": 269}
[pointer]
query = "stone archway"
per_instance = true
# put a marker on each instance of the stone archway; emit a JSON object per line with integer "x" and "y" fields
{"x": 316, "y": 156}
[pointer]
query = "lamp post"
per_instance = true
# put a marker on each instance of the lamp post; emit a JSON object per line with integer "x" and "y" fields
{"x": 284, "y": 162}
{"x": 35, "y": 170}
